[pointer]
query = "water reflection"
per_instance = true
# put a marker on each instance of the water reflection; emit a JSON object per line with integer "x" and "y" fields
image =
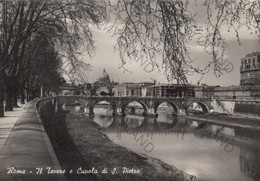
{"x": 210, "y": 152}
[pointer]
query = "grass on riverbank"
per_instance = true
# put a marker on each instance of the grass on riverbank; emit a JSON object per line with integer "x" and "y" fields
{"x": 101, "y": 153}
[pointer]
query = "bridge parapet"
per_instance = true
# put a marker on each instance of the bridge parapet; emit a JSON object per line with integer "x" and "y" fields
{"x": 131, "y": 97}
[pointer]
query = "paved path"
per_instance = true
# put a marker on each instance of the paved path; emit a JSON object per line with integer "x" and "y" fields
{"x": 7, "y": 123}
{"x": 25, "y": 147}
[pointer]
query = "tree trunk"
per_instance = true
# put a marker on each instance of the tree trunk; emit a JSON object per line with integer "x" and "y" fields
{"x": 10, "y": 91}
{"x": 22, "y": 99}
{"x": 33, "y": 94}
{"x": 42, "y": 94}
{"x": 2, "y": 108}
{"x": 27, "y": 95}
{"x": 15, "y": 100}
{"x": 8, "y": 100}
{"x": 1, "y": 96}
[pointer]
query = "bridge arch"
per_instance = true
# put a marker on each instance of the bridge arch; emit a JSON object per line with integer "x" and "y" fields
{"x": 173, "y": 105}
{"x": 92, "y": 106}
{"x": 204, "y": 106}
{"x": 145, "y": 107}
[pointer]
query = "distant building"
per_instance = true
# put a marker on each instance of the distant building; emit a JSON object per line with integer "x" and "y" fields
{"x": 68, "y": 89}
{"x": 172, "y": 90}
{"x": 103, "y": 86}
{"x": 146, "y": 89}
{"x": 120, "y": 90}
{"x": 205, "y": 91}
{"x": 237, "y": 92}
{"x": 104, "y": 79}
{"x": 249, "y": 88}
{"x": 132, "y": 89}
{"x": 250, "y": 69}
{"x": 138, "y": 89}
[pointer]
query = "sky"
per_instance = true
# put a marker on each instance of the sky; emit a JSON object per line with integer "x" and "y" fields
{"x": 107, "y": 58}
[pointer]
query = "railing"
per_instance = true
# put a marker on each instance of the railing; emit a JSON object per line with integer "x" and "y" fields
{"x": 134, "y": 97}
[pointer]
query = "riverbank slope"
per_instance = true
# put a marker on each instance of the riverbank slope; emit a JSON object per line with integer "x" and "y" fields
{"x": 88, "y": 154}
{"x": 227, "y": 120}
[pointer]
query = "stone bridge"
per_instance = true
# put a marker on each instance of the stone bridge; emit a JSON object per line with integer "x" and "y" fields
{"x": 119, "y": 104}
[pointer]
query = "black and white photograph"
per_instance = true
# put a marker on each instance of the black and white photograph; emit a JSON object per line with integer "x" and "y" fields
{"x": 129, "y": 90}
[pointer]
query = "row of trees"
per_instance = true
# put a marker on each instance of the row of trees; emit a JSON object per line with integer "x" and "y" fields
{"x": 39, "y": 38}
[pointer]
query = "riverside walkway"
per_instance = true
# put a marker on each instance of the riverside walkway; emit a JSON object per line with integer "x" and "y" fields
{"x": 25, "y": 149}
{"x": 7, "y": 124}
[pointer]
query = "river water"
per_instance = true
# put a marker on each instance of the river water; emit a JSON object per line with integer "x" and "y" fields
{"x": 209, "y": 152}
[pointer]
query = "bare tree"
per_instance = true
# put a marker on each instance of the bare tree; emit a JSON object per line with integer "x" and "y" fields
{"x": 64, "y": 23}
{"x": 159, "y": 30}
{"x": 40, "y": 68}
{"x": 235, "y": 15}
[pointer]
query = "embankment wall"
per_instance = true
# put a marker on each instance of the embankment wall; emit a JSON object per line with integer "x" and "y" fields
{"x": 243, "y": 108}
